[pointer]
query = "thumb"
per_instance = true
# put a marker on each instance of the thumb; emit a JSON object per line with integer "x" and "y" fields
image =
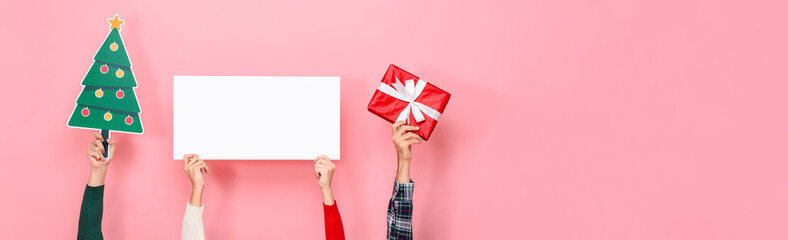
{"x": 111, "y": 143}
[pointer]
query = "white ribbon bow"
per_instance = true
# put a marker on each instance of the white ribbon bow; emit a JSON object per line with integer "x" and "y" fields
{"x": 408, "y": 93}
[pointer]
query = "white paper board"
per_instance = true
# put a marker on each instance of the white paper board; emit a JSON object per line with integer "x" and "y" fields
{"x": 256, "y": 118}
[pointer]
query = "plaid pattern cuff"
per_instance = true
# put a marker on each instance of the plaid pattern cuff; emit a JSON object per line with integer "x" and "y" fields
{"x": 403, "y": 192}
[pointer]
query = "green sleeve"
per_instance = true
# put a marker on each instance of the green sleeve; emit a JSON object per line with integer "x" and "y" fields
{"x": 90, "y": 215}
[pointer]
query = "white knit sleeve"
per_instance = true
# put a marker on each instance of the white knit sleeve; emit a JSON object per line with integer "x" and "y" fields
{"x": 192, "y": 228}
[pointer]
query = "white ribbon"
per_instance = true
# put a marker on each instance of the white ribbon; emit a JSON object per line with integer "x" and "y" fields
{"x": 408, "y": 93}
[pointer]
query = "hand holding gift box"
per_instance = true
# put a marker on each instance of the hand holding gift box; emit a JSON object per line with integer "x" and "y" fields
{"x": 403, "y": 96}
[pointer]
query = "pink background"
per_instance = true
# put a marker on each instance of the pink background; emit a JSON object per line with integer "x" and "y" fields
{"x": 568, "y": 120}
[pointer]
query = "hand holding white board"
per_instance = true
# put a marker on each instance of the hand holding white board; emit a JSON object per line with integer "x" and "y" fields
{"x": 248, "y": 118}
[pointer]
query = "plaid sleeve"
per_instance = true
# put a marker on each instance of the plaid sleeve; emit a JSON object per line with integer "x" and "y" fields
{"x": 400, "y": 212}
{"x": 90, "y": 214}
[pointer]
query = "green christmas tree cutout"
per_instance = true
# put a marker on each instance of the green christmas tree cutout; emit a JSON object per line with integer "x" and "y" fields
{"x": 107, "y": 102}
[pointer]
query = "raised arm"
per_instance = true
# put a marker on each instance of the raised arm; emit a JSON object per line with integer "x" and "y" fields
{"x": 192, "y": 228}
{"x": 324, "y": 172}
{"x": 400, "y": 210}
{"x": 93, "y": 199}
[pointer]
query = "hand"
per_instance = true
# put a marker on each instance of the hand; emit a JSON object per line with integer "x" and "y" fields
{"x": 99, "y": 164}
{"x": 96, "y": 152}
{"x": 403, "y": 139}
{"x": 324, "y": 172}
{"x": 194, "y": 167}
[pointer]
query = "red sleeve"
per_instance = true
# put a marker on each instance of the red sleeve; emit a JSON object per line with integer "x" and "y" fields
{"x": 334, "y": 228}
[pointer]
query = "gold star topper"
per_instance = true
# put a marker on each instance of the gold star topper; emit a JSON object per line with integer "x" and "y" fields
{"x": 115, "y": 23}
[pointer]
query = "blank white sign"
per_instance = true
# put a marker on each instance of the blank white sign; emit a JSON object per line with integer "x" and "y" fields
{"x": 295, "y": 118}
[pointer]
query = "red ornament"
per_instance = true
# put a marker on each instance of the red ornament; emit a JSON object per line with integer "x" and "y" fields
{"x": 120, "y": 94}
{"x": 85, "y": 112}
{"x": 104, "y": 69}
{"x": 129, "y": 120}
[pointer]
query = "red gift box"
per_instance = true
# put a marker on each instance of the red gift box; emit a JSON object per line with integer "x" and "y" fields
{"x": 403, "y": 96}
